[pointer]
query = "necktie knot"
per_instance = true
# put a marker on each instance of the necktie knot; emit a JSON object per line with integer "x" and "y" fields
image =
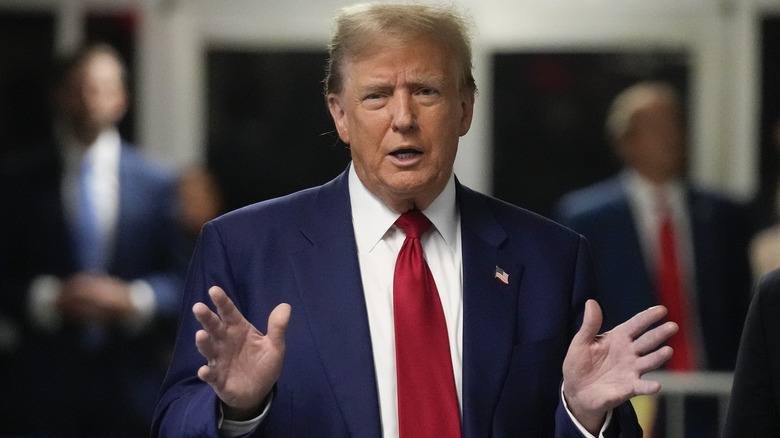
{"x": 414, "y": 223}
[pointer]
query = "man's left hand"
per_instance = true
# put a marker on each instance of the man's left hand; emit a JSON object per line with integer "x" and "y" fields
{"x": 602, "y": 371}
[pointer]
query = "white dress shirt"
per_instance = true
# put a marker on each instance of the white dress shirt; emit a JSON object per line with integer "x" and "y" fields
{"x": 378, "y": 243}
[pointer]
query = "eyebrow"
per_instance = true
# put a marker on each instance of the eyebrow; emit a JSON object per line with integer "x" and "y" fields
{"x": 415, "y": 81}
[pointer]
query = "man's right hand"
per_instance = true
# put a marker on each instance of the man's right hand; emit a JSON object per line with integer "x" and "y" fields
{"x": 242, "y": 364}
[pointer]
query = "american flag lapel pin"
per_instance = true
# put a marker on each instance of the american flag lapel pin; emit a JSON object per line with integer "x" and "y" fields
{"x": 501, "y": 275}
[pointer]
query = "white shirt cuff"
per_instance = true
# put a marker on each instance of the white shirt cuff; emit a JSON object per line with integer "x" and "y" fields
{"x": 41, "y": 303}
{"x": 232, "y": 428}
{"x": 582, "y": 430}
{"x": 144, "y": 304}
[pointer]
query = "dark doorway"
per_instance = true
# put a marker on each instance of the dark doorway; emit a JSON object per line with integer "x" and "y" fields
{"x": 269, "y": 130}
{"x": 27, "y": 54}
{"x": 549, "y": 110}
{"x": 769, "y": 174}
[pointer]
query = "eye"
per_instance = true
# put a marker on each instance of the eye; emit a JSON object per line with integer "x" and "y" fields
{"x": 426, "y": 91}
{"x": 373, "y": 94}
{"x": 373, "y": 100}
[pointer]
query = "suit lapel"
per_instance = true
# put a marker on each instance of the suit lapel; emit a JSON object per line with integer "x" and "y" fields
{"x": 331, "y": 290}
{"x": 490, "y": 312}
{"x": 701, "y": 211}
{"x": 126, "y": 208}
{"x": 625, "y": 243}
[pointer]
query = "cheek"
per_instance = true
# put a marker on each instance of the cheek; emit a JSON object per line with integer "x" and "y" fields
{"x": 105, "y": 104}
{"x": 365, "y": 153}
{"x": 449, "y": 141}
{"x": 367, "y": 134}
{"x": 448, "y": 158}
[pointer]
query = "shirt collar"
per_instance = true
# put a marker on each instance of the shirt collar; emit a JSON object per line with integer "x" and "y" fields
{"x": 371, "y": 218}
{"x": 645, "y": 191}
{"x": 105, "y": 148}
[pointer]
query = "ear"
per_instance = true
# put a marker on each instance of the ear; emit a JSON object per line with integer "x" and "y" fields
{"x": 336, "y": 107}
{"x": 121, "y": 105}
{"x": 622, "y": 147}
{"x": 467, "y": 108}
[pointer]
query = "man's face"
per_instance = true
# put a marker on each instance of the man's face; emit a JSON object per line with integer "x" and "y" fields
{"x": 402, "y": 113}
{"x": 95, "y": 98}
{"x": 655, "y": 145}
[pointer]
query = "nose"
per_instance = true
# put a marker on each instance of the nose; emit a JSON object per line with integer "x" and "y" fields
{"x": 404, "y": 116}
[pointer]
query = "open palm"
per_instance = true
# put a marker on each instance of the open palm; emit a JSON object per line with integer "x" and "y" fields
{"x": 601, "y": 371}
{"x": 243, "y": 364}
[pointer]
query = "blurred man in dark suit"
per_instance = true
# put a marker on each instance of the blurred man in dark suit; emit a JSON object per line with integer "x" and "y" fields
{"x": 657, "y": 239}
{"x": 94, "y": 263}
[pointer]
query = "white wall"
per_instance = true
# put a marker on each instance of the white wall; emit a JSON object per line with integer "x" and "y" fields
{"x": 721, "y": 36}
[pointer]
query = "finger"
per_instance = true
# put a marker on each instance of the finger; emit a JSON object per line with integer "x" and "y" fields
{"x": 651, "y": 339}
{"x": 204, "y": 345}
{"x": 654, "y": 360}
{"x": 225, "y": 307}
{"x": 591, "y": 323}
{"x": 208, "y": 319}
{"x": 277, "y": 323}
{"x": 646, "y": 387}
{"x": 642, "y": 320}
{"x": 207, "y": 374}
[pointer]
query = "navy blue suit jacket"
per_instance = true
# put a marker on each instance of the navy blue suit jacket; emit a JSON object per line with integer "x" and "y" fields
{"x": 301, "y": 249}
{"x": 720, "y": 237}
{"x": 54, "y": 384}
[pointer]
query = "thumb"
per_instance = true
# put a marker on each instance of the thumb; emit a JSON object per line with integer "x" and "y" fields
{"x": 277, "y": 323}
{"x": 591, "y": 323}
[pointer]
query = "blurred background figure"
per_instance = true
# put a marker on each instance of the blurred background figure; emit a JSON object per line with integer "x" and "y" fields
{"x": 93, "y": 262}
{"x": 765, "y": 246}
{"x": 199, "y": 201}
{"x": 657, "y": 239}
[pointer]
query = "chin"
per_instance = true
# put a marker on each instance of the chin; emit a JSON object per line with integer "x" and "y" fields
{"x": 409, "y": 184}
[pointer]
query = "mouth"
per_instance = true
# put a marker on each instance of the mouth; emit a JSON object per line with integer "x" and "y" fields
{"x": 406, "y": 153}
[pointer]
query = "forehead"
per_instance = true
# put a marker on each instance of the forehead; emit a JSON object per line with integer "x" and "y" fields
{"x": 423, "y": 57}
{"x": 658, "y": 106}
{"x": 103, "y": 63}
{"x": 97, "y": 64}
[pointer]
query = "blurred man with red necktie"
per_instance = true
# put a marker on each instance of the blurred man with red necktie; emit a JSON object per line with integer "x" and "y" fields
{"x": 658, "y": 239}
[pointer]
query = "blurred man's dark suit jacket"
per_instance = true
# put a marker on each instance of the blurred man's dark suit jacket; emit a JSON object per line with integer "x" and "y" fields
{"x": 55, "y": 385}
{"x": 721, "y": 233}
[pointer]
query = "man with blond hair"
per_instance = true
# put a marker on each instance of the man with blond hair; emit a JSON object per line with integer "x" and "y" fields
{"x": 411, "y": 306}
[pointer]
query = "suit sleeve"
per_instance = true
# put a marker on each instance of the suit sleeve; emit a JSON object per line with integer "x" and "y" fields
{"x": 187, "y": 406}
{"x": 169, "y": 262}
{"x": 624, "y": 423}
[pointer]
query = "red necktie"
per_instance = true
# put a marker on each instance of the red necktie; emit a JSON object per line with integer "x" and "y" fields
{"x": 427, "y": 403}
{"x": 672, "y": 295}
